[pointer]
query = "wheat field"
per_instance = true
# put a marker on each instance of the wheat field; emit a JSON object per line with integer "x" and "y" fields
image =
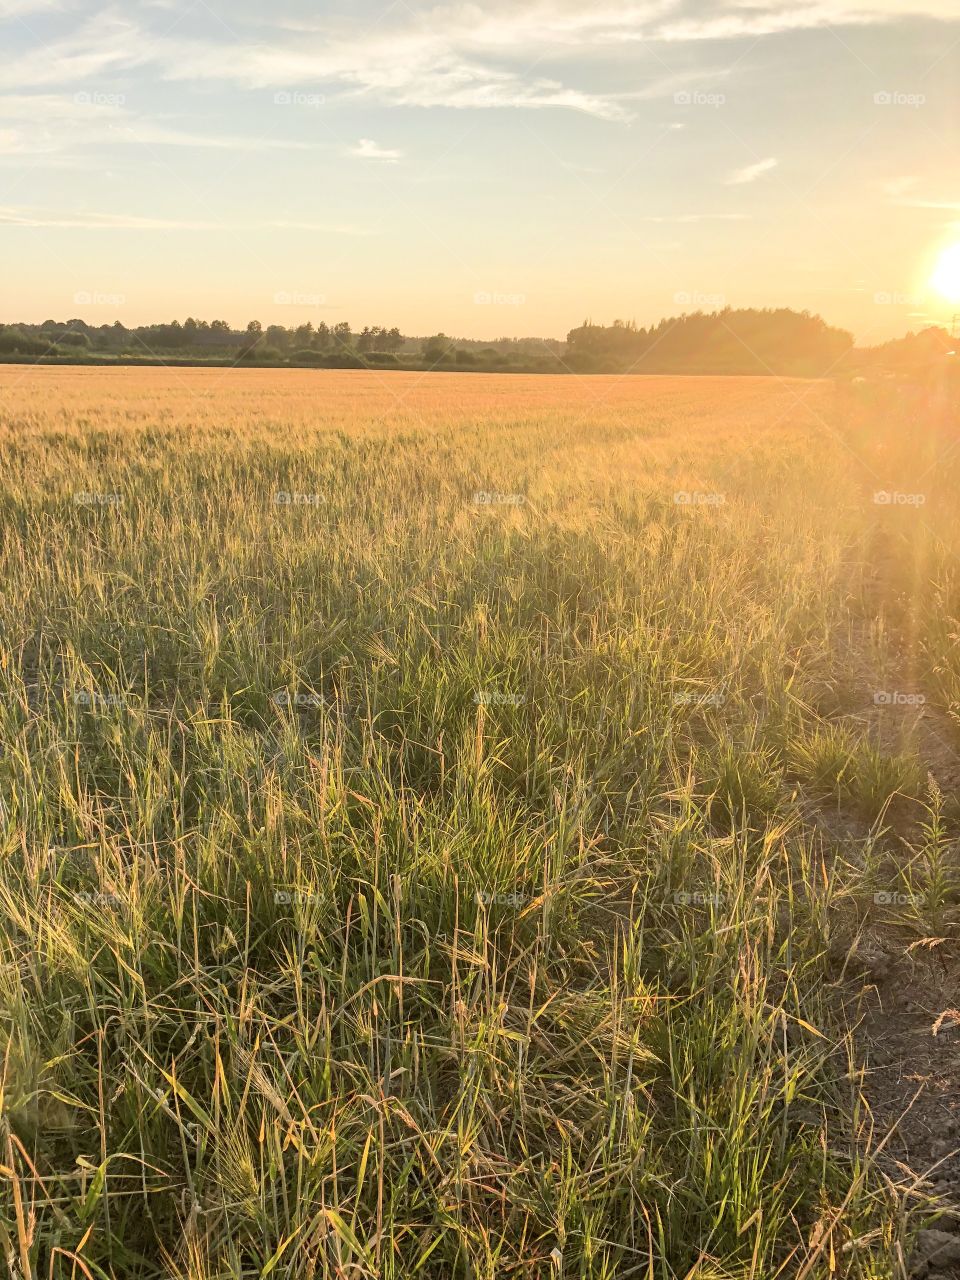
{"x": 450, "y": 822}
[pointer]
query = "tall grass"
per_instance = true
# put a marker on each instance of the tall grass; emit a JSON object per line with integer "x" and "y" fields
{"x": 396, "y": 884}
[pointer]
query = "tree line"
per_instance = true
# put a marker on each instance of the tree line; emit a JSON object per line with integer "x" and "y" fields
{"x": 737, "y": 341}
{"x": 748, "y": 340}
{"x": 336, "y": 345}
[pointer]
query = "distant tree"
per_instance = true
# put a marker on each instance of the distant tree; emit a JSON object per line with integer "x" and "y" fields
{"x": 73, "y": 339}
{"x": 927, "y": 348}
{"x": 13, "y": 341}
{"x": 725, "y": 341}
{"x": 252, "y": 339}
{"x": 279, "y": 337}
{"x": 379, "y": 338}
{"x": 437, "y": 348}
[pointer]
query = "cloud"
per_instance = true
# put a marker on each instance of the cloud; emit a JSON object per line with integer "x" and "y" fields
{"x": 19, "y": 217}
{"x": 458, "y": 54}
{"x": 367, "y": 149}
{"x": 443, "y": 59}
{"x": 17, "y": 8}
{"x": 900, "y": 186}
{"x": 733, "y": 20}
{"x": 751, "y": 172}
{"x": 408, "y": 67}
{"x": 521, "y": 25}
{"x": 950, "y": 205}
{"x": 148, "y": 133}
{"x": 55, "y": 123}
{"x": 469, "y": 56}
{"x": 697, "y": 217}
{"x": 95, "y": 221}
{"x": 103, "y": 46}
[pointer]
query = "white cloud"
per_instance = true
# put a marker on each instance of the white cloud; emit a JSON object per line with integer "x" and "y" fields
{"x": 408, "y": 66}
{"x": 57, "y": 123}
{"x": 697, "y": 217}
{"x": 521, "y": 25}
{"x": 467, "y": 55}
{"x": 148, "y": 133}
{"x": 367, "y": 149}
{"x": 47, "y": 107}
{"x": 17, "y": 8}
{"x": 950, "y": 205}
{"x": 96, "y": 221}
{"x": 733, "y": 20}
{"x": 900, "y": 186}
{"x": 751, "y": 172}
{"x": 457, "y": 54}
{"x": 19, "y": 217}
{"x": 103, "y": 46}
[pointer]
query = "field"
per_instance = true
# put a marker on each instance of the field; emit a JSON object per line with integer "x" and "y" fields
{"x": 476, "y": 826}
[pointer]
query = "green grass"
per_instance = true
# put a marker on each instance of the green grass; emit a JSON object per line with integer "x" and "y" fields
{"x": 394, "y": 886}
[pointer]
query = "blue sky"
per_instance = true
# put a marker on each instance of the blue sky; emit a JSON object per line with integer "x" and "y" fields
{"x": 505, "y": 168}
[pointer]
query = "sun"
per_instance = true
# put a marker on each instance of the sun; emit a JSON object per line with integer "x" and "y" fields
{"x": 946, "y": 274}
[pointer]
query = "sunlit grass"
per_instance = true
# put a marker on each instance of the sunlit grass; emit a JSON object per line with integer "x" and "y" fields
{"x": 395, "y": 884}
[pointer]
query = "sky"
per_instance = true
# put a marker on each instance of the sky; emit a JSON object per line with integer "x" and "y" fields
{"x": 506, "y": 168}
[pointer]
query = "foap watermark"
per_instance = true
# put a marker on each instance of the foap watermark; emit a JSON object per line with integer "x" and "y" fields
{"x": 892, "y": 898}
{"x": 894, "y": 698}
{"x": 97, "y": 898}
{"x": 694, "y": 498}
{"x": 93, "y": 298}
{"x": 284, "y": 498}
{"x": 297, "y": 98}
{"x": 95, "y": 98}
{"x": 894, "y": 299}
{"x": 293, "y": 298}
{"x": 94, "y": 701}
{"x": 487, "y": 298}
{"x": 696, "y": 98}
{"x": 690, "y": 698}
{"x": 697, "y": 898}
{"x": 482, "y": 498}
{"x": 497, "y": 698}
{"x": 283, "y": 698}
{"x": 691, "y": 298}
{"x": 97, "y": 499}
{"x": 515, "y": 900}
{"x": 293, "y": 898}
{"x": 894, "y": 98}
{"x": 892, "y": 498}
